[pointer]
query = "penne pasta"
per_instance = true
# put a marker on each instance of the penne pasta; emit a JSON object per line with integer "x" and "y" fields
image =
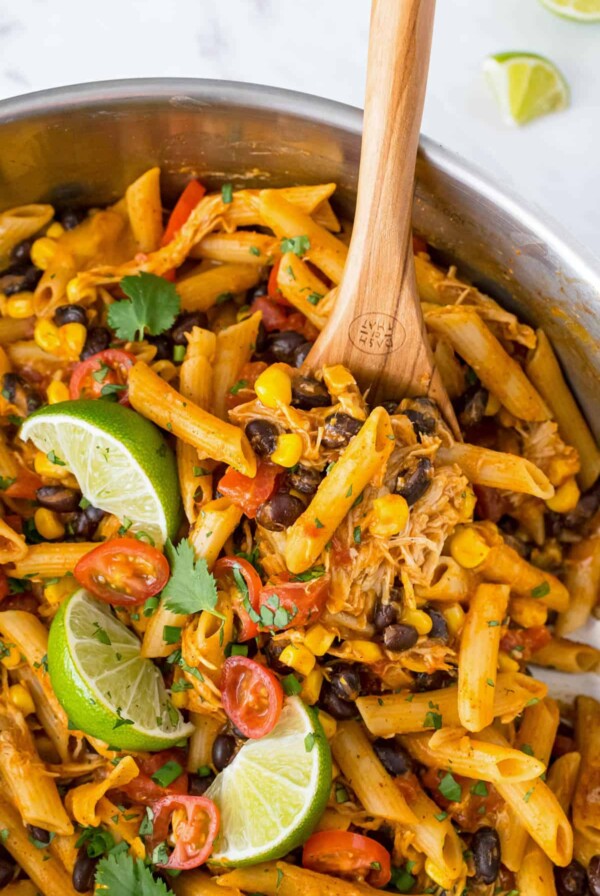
{"x": 582, "y": 579}
{"x": 567, "y": 656}
{"x": 586, "y": 812}
{"x": 159, "y": 402}
{"x": 200, "y": 291}
{"x": 453, "y": 748}
{"x": 478, "y": 658}
{"x": 234, "y": 348}
{"x": 50, "y": 560}
{"x": 21, "y": 223}
{"x": 505, "y": 566}
{"x": 359, "y": 464}
{"x": 304, "y": 290}
{"x": 562, "y": 778}
{"x": 283, "y": 879}
{"x": 535, "y": 875}
{"x": 450, "y": 582}
{"x": 497, "y": 469}
{"x": 206, "y": 729}
{"x": 144, "y": 208}
{"x": 12, "y": 545}
{"x": 544, "y": 372}
{"x": 242, "y": 247}
{"x": 407, "y": 712}
{"x": 199, "y": 883}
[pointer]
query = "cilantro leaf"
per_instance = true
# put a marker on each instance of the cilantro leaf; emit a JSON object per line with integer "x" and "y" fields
{"x": 122, "y": 875}
{"x": 450, "y": 788}
{"x": 299, "y": 245}
{"x": 154, "y": 304}
{"x": 191, "y": 587}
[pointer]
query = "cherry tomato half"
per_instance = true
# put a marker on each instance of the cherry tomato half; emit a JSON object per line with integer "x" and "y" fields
{"x": 526, "y": 640}
{"x": 302, "y": 602}
{"x": 242, "y": 602}
{"x": 25, "y": 485}
{"x": 146, "y": 791}
{"x": 252, "y": 696}
{"x": 123, "y": 571}
{"x": 193, "y": 822}
{"x": 95, "y": 377}
{"x": 249, "y": 493}
{"x": 4, "y": 589}
{"x": 348, "y": 855}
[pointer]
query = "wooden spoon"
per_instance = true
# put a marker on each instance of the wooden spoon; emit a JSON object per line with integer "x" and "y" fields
{"x": 376, "y": 328}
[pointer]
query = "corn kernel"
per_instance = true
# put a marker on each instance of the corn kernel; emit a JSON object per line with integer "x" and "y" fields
{"x": 506, "y": 663}
{"x": 43, "y": 252}
{"x": 20, "y": 306}
{"x": 299, "y": 658}
{"x": 390, "y": 516}
{"x": 468, "y": 547}
{"x": 328, "y": 724}
{"x": 57, "y": 391}
{"x": 565, "y": 497}
{"x": 72, "y": 339}
{"x": 289, "y": 449}
{"x": 4, "y": 362}
{"x": 57, "y": 592}
{"x": 469, "y": 502}
{"x": 20, "y": 697}
{"x": 13, "y": 658}
{"x": 455, "y": 617}
{"x": 48, "y": 524}
{"x": 363, "y": 651}
{"x": 527, "y": 612}
{"x": 46, "y": 335}
{"x": 179, "y": 699}
{"x": 273, "y": 387}
{"x": 311, "y": 687}
{"x": 419, "y": 619}
{"x": 55, "y": 230}
{"x": 493, "y": 405}
{"x": 44, "y": 467}
{"x": 559, "y": 470}
{"x": 338, "y": 379}
{"x": 438, "y": 876}
{"x": 318, "y": 639}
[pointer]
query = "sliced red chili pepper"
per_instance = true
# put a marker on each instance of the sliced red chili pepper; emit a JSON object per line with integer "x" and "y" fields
{"x": 252, "y": 696}
{"x": 102, "y": 374}
{"x": 249, "y": 585}
{"x": 273, "y": 290}
{"x": 123, "y": 571}
{"x": 185, "y": 205}
{"x": 348, "y": 855}
{"x": 249, "y": 493}
{"x": 293, "y": 603}
{"x": 193, "y": 822}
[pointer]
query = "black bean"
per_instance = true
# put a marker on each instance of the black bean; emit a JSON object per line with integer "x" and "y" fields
{"x": 414, "y": 480}
{"x": 261, "y": 339}
{"x": 345, "y": 681}
{"x": 86, "y": 522}
{"x": 58, "y": 498}
{"x": 20, "y": 280}
{"x": 283, "y": 345}
{"x": 390, "y": 406}
{"x": 163, "y": 345}
{"x": 593, "y": 874}
{"x": 301, "y": 353}
{"x": 433, "y": 681}
{"x": 70, "y": 314}
{"x": 392, "y": 756}
{"x": 273, "y": 650}
{"x": 337, "y": 707}
{"x": 39, "y": 834}
{"x": 423, "y": 424}
{"x": 339, "y": 429}
{"x": 257, "y": 292}
{"x": 7, "y": 872}
{"x": 439, "y": 628}
{"x": 279, "y": 512}
{"x": 11, "y": 284}
{"x": 98, "y": 339}
{"x": 262, "y": 435}
{"x": 308, "y": 393}
{"x": 223, "y": 750}
{"x": 572, "y": 880}
{"x": 185, "y": 324}
{"x": 304, "y": 479}
{"x": 400, "y": 637}
{"x": 19, "y": 392}
{"x": 84, "y": 870}
{"x": 485, "y": 847}
{"x": 71, "y": 217}
{"x": 32, "y": 277}
{"x": 199, "y": 784}
{"x": 21, "y": 252}
{"x": 385, "y": 614}
{"x": 471, "y": 406}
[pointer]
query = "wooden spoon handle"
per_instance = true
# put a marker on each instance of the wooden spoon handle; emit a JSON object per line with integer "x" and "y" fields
{"x": 376, "y": 327}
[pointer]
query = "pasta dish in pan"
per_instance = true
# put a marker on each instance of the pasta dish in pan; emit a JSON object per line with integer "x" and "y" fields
{"x": 259, "y": 636}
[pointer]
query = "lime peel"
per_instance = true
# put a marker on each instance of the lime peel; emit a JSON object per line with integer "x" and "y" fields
{"x": 586, "y": 11}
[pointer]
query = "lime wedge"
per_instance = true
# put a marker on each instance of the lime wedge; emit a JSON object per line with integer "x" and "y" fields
{"x": 575, "y": 10}
{"x": 105, "y": 686}
{"x": 274, "y": 792}
{"x": 120, "y": 460}
{"x": 526, "y": 86}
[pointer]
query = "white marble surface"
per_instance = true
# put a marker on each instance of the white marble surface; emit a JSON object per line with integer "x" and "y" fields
{"x": 319, "y": 46}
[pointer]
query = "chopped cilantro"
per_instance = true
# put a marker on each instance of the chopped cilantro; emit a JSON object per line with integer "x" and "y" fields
{"x": 254, "y": 250}
{"x": 528, "y": 795}
{"x": 479, "y": 789}
{"x": 299, "y": 245}
{"x": 4, "y": 835}
{"x": 490, "y": 682}
{"x": 237, "y": 387}
{"x": 152, "y": 307}
{"x": 309, "y": 741}
{"x": 432, "y": 720}
{"x": 223, "y": 297}
{"x": 314, "y": 573}
{"x": 357, "y": 535}
{"x": 492, "y": 623}
{"x": 402, "y": 879}
{"x": 6, "y": 482}
{"x": 42, "y": 844}
{"x": 55, "y": 459}
{"x": 441, "y": 816}
{"x": 341, "y": 794}
{"x": 450, "y": 788}
{"x": 318, "y": 523}
{"x": 533, "y": 701}
{"x": 100, "y": 634}
{"x": 528, "y": 749}
{"x": 203, "y": 771}
{"x": 314, "y": 298}
{"x": 97, "y": 841}
{"x": 541, "y": 590}
{"x": 125, "y": 526}
{"x": 191, "y": 587}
